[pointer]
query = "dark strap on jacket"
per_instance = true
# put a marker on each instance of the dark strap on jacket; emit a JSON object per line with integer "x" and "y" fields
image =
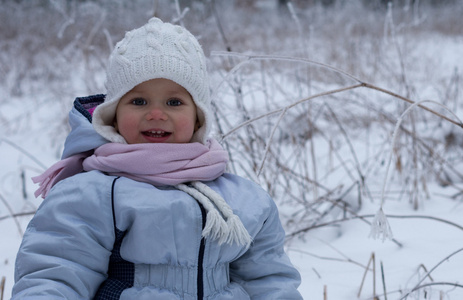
{"x": 120, "y": 272}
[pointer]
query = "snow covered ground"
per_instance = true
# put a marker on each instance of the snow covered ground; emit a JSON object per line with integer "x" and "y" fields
{"x": 337, "y": 261}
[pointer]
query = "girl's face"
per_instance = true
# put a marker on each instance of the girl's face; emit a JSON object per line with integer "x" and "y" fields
{"x": 156, "y": 111}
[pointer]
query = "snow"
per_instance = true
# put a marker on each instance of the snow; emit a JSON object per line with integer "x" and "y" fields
{"x": 339, "y": 262}
{"x": 332, "y": 259}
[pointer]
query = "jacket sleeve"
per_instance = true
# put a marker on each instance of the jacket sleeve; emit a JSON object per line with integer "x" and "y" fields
{"x": 265, "y": 271}
{"x": 66, "y": 247}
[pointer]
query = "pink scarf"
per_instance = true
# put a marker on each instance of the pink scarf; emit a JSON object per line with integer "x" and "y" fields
{"x": 158, "y": 164}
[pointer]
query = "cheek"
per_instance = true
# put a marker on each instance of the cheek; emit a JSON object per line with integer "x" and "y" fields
{"x": 188, "y": 125}
{"x": 125, "y": 124}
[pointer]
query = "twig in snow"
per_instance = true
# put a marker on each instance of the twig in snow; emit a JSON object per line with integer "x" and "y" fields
{"x": 279, "y": 110}
{"x": 20, "y": 149}
{"x": 219, "y": 25}
{"x": 370, "y": 216}
{"x": 23, "y": 184}
{"x": 346, "y": 258}
{"x": 18, "y": 215}
{"x": 426, "y": 270}
{"x": 344, "y": 134}
{"x": 250, "y": 57}
{"x": 269, "y": 141}
{"x": 418, "y": 286}
{"x": 384, "y": 281}
{"x": 2, "y": 287}
{"x": 180, "y": 14}
{"x": 10, "y": 210}
{"x": 373, "y": 87}
{"x": 380, "y": 225}
{"x": 372, "y": 261}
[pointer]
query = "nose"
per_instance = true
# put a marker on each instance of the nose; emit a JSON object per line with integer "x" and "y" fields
{"x": 156, "y": 113}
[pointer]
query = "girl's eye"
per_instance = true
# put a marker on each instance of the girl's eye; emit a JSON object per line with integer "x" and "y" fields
{"x": 174, "y": 102}
{"x": 138, "y": 101}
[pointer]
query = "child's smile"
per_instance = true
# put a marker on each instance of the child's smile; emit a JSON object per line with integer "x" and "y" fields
{"x": 156, "y": 111}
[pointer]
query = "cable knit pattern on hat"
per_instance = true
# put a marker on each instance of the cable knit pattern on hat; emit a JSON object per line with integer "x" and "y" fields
{"x": 155, "y": 50}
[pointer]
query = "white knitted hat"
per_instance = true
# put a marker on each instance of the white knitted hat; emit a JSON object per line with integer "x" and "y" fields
{"x": 155, "y": 50}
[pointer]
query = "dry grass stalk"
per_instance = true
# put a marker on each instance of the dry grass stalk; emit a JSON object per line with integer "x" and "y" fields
{"x": 265, "y": 142}
{"x": 371, "y": 261}
{"x": 419, "y": 286}
{"x": 2, "y": 287}
{"x": 11, "y": 213}
{"x": 383, "y": 280}
{"x": 421, "y": 266}
{"x": 271, "y": 149}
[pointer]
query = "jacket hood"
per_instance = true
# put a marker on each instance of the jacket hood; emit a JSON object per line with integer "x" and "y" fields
{"x": 83, "y": 136}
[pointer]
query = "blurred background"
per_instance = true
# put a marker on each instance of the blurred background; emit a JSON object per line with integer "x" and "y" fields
{"x": 307, "y": 95}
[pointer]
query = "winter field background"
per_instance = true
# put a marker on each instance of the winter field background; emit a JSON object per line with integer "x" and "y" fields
{"x": 308, "y": 96}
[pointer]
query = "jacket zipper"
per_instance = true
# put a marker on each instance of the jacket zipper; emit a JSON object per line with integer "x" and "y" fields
{"x": 200, "y": 283}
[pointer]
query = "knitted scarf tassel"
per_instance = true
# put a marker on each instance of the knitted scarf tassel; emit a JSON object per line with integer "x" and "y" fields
{"x": 221, "y": 223}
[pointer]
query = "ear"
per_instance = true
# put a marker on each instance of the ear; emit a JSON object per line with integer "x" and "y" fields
{"x": 197, "y": 125}
{"x": 115, "y": 124}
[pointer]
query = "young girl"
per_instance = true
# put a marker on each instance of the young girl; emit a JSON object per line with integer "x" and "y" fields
{"x": 140, "y": 207}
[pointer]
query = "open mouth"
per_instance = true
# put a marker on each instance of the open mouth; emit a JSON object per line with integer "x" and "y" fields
{"x": 157, "y": 133}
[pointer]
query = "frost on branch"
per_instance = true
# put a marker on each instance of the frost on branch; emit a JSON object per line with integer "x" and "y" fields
{"x": 380, "y": 227}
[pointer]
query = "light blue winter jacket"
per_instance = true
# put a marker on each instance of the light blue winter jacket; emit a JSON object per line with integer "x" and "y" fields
{"x": 102, "y": 237}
